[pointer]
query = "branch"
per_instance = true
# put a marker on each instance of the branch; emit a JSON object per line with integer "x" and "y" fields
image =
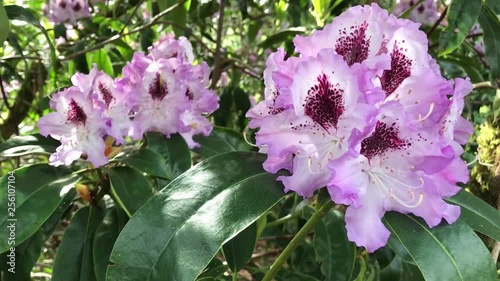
{"x": 218, "y": 42}
{"x": 436, "y": 24}
{"x": 119, "y": 36}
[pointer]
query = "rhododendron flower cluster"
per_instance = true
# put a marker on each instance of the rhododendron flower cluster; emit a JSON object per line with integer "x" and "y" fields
{"x": 365, "y": 112}
{"x": 67, "y": 10}
{"x": 425, "y": 13}
{"x": 162, "y": 91}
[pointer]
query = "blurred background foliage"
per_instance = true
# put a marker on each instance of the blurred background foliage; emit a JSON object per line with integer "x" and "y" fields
{"x": 234, "y": 37}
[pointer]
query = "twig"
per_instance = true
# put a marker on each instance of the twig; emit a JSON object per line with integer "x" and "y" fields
{"x": 4, "y": 95}
{"x": 119, "y": 36}
{"x": 439, "y": 20}
{"x": 485, "y": 84}
{"x": 20, "y": 57}
{"x": 474, "y": 35}
{"x": 218, "y": 41}
{"x": 131, "y": 16}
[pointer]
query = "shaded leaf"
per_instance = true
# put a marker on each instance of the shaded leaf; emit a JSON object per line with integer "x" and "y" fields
{"x": 130, "y": 188}
{"x": 186, "y": 223}
{"x": 174, "y": 151}
{"x": 23, "y": 145}
{"x": 37, "y": 195}
{"x": 333, "y": 249}
{"x": 445, "y": 252}
{"x": 239, "y": 249}
{"x": 104, "y": 240}
{"x": 28, "y": 252}
{"x": 476, "y": 213}
{"x": 147, "y": 161}
{"x": 219, "y": 141}
{"x": 74, "y": 260}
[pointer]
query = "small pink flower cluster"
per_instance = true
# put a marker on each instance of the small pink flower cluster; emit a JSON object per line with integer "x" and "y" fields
{"x": 162, "y": 91}
{"x": 365, "y": 112}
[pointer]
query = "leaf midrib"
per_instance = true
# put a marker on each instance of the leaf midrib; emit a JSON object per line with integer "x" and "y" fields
{"x": 194, "y": 213}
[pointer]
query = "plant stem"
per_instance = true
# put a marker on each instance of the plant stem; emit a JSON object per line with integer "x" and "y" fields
{"x": 299, "y": 237}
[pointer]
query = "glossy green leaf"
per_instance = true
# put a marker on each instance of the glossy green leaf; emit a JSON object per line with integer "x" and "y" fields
{"x": 23, "y": 145}
{"x": 239, "y": 249}
{"x": 102, "y": 60}
{"x": 479, "y": 215}
{"x": 104, "y": 240}
{"x": 333, "y": 249}
{"x": 241, "y": 106}
{"x": 445, "y": 252}
{"x": 4, "y": 25}
{"x": 130, "y": 188}
{"x": 185, "y": 224}
{"x": 37, "y": 195}
{"x": 491, "y": 28}
{"x": 174, "y": 151}
{"x": 281, "y": 36}
{"x": 28, "y": 252}
{"x": 74, "y": 260}
{"x": 147, "y": 161}
{"x": 219, "y": 141}
{"x": 462, "y": 14}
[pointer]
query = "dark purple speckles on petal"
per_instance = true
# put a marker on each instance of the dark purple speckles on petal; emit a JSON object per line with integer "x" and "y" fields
{"x": 158, "y": 88}
{"x": 62, "y": 4}
{"x": 189, "y": 94}
{"x": 353, "y": 46}
{"x": 400, "y": 70}
{"x": 385, "y": 138}
{"x": 324, "y": 103}
{"x": 106, "y": 94}
{"x": 75, "y": 113}
{"x": 77, "y": 7}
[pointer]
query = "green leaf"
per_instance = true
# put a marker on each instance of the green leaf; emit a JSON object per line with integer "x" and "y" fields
{"x": 174, "y": 151}
{"x": 74, "y": 260}
{"x": 281, "y": 36}
{"x": 177, "y": 15}
{"x": 130, "y": 188}
{"x": 104, "y": 240}
{"x": 491, "y": 28}
{"x": 398, "y": 270}
{"x": 15, "y": 12}
{"x": 241, "y": 106}
{"x": 333, "y": 249}
{"x": 29, "y": 251}
{"x": 223, "y": 115}
{"x": 445, "y": 252}
{"x": 37, "y": 195}
{"x": 239, "y": 249}
{"x": 477, "y": 214}
{"x": 221, "y": 140}
{"x": 23, "y": 145}
{"x": 4, "y": 25}
{"x": 102, "y": 60}
{"x": 147, "y": 161}
{"x": 462, "y": 14}
{"x": 185, "y": 224}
